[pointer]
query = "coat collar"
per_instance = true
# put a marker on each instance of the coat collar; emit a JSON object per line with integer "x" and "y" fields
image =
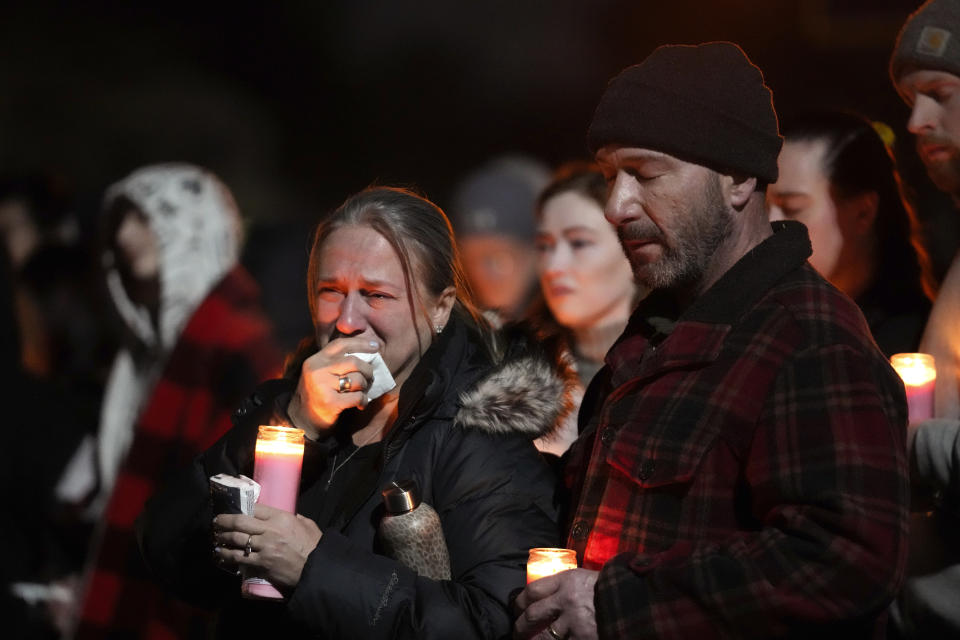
{"x": 753, "y": 275}
{"x": 518, "y": 391}
{"x": 697, "y": 333}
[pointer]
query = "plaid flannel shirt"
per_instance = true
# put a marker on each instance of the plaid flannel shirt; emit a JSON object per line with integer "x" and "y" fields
{"x": 225, "y": 349}
{"x": 743, "y": 471}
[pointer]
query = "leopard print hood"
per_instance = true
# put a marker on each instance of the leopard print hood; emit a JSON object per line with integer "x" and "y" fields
{"x": 198, "y": 232}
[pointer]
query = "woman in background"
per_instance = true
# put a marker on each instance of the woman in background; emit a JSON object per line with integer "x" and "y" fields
{"x": 838, "y": 177}
{"x": 587, "y": 285}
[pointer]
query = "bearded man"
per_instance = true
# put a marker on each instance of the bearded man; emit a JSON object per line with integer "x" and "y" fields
{"x": 741, "y": 468}
{"x": 925, "y": 69}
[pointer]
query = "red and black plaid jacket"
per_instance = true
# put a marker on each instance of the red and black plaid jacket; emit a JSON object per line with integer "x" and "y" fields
{"x": 744, "y": 474}
{"x": 225, "y": 349}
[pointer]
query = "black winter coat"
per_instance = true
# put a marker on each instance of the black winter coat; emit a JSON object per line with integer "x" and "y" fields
{"x": 463, "y": 432}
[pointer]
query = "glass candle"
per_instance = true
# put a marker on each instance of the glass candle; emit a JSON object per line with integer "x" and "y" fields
{"x": 545, "y": 562}
{"x": 277, "y": 461}
{"x": 919, "y": 379}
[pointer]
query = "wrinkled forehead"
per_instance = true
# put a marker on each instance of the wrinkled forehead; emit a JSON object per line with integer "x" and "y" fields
{"x": 364, "y": 248}
{"x": 614, "y": 157}
{"x": 613, "y": 154}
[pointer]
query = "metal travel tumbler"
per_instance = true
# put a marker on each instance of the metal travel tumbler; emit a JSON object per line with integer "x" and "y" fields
{"x": 411, "y": 531}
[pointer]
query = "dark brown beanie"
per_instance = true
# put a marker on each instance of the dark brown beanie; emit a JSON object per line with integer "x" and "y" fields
{"x": 705, "y": 104}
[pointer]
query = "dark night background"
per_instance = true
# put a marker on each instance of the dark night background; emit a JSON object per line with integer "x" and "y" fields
{"x": 296, "y": 105}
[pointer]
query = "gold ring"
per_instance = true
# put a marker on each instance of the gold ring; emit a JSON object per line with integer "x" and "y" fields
{"x": 343, "y": 384}
{"x": 247, "y": 550}
{"x": 554, "y": 633}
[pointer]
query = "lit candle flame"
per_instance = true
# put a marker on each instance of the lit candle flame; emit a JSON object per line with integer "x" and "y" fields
{"x": 547, "y": 562}
{"x": 915, "y": 369}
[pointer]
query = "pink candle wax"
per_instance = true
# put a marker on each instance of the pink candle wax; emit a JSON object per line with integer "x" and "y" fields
{"x": 277, "y": 468}
{"x": 277, "y": 461}
{"x": 919, "y": 379}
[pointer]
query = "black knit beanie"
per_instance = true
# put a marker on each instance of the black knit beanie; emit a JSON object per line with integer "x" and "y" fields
{"x": 705, "y": 103}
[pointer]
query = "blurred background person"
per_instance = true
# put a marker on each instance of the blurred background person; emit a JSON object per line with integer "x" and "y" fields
{"x": 196, "y": 342}
{"x": 46, "y": 420}
{"x": 587, "y": 289}
{"x": 490, "y": 212}
{"x": 37, "y": 217}
{"x": 838, "y": 178}
{"x": 35, "y": 209}
{"x": 55, "y": 357}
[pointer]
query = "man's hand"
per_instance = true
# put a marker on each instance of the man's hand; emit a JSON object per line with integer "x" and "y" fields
{"x": 558, "y": 606}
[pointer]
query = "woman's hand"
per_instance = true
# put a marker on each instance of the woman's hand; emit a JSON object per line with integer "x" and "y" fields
{"x": 274, "y": 543}
{"x": 320, "y": 397}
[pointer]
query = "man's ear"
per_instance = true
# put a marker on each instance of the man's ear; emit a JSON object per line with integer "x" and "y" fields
{"x": 740, "y": 189}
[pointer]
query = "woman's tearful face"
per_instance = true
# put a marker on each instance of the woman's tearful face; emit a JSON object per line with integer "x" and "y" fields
{"x": 362, "y": 292}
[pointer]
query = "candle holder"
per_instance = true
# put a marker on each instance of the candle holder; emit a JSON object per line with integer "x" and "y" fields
{"x": 545, "y": 561}
{"x": 277, "y": 461}
{"x": 919, "y": 377}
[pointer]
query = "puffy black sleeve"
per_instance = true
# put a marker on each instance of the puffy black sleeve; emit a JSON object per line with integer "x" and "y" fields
{"x": 174, "y": 530}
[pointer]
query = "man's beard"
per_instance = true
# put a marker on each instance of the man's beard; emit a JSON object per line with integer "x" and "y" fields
{"x": 697, "y": 237}
{"x": 945, "y": 174}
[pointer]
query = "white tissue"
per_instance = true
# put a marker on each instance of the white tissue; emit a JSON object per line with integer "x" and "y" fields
{"x": 233, "y": 494}
{"x": 382, "y": 380}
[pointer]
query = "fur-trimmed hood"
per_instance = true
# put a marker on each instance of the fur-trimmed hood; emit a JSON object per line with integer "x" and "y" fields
{"x": 529, "y": 392}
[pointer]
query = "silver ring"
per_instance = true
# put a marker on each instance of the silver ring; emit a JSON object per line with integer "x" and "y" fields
{"x": 554, "y": 633}
{"x": 343, "y": 384}
{"x": 247, "y": 550}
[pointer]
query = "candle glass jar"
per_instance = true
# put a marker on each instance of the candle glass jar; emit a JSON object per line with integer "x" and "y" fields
{"x": 545, "y": 561}
{"x": 919, "y": 375}
{"x": 277, "y": 462}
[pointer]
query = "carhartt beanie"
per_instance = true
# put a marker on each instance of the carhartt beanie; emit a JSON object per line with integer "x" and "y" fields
{"x": 929, "y": 39}
{"x": 704, "y": 103}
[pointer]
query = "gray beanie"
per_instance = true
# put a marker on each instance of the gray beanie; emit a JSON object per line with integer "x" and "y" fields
{"x": 930, "y": 39}
{"x": 499, "y": 198}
